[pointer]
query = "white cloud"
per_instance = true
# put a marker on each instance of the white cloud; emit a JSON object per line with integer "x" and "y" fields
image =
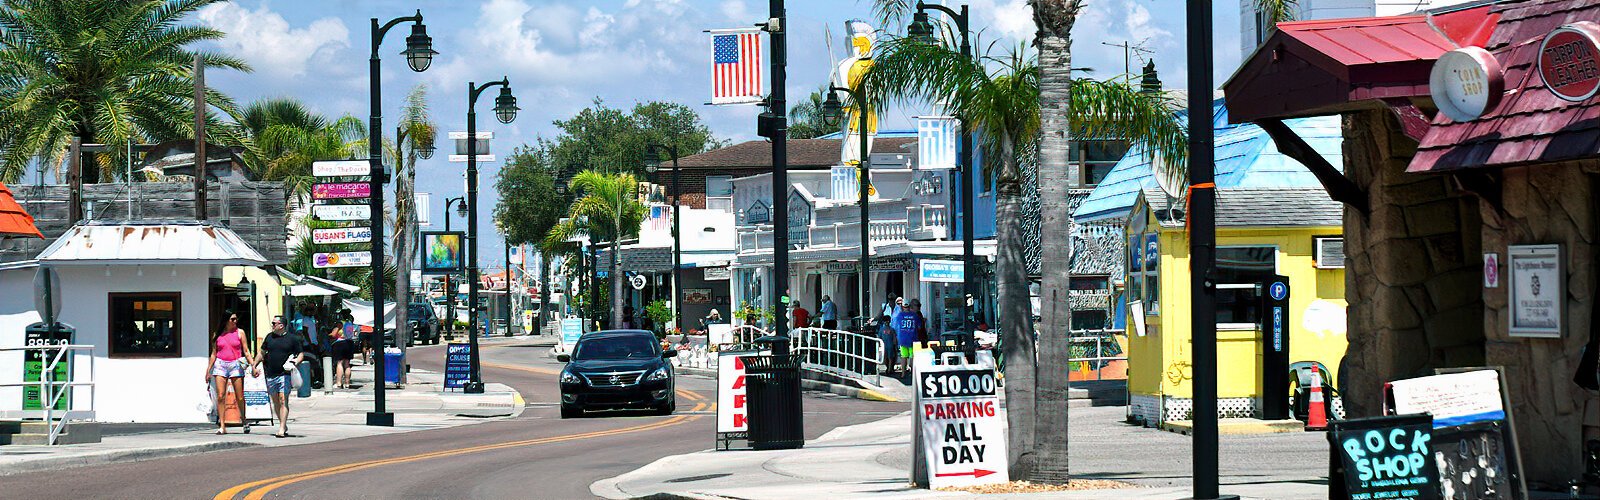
{"x": 1009, "y": 18}
{"x": 735, "y": 10}
{"x": 266, "y": 41}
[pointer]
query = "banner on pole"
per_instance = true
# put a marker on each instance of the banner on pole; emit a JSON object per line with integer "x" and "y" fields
{"x": 936, "y": 142}
{"x": 736, "y": 66}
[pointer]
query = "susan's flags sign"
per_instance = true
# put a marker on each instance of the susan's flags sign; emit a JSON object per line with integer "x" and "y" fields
{"x": 341, "y": 235}
{"x": 736, "y": 66}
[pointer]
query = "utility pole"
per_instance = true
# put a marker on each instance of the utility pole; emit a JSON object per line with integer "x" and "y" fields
{"x": 1128, "y": 49}
{"x": 200, "y": 138}
{"x": 777, "y": 108}
{"x": 1203, "y": 251}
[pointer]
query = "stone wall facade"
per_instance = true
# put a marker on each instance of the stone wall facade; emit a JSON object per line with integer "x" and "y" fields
{"x": 1414, "y": 283}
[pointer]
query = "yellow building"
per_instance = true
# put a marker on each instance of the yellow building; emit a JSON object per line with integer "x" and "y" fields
{"x": 1261, "y": 232}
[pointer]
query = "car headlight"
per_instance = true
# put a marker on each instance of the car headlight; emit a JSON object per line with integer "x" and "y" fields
{"x": 659, "y": 374}
{"x": 570, "y": 378}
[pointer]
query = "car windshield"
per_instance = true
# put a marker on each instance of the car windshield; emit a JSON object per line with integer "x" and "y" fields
{"x": 418, "y": 310}
{"x": 629, "y": 347}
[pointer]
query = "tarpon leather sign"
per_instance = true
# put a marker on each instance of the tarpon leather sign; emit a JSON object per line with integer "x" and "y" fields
{"x": 1569, "y": 61}
{"x": 1383, "y": 458}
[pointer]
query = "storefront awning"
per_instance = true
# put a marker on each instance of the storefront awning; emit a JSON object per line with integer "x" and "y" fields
{"x": 102, "y": 243}
{"x": 14, "y": 221}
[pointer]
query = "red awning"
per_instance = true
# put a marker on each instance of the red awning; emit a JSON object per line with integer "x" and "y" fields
{"x": 14, "y": 221}
{"x": 1531, "y": 124}
{"x": 1310, "y": 68}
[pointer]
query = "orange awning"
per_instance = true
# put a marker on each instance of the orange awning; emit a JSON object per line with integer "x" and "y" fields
{"x": 14, "y": 221}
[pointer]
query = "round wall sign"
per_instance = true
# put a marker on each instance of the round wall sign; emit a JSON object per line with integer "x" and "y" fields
{"x": 1569, "y": 61}
{"x": 637, "y": 281}
{"x": 1466, "y": 83}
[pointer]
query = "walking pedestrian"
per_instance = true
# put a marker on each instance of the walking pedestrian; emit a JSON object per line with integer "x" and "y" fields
{"x": 343, "y": 351}
{"x": 229, "y": 355}
{"x": 802, "y": 317}
{"x": 830, "y": 313}
{"x": 280, "y": 352}
{"x": 886, "y": 333}
{"x": 909, "y": 325}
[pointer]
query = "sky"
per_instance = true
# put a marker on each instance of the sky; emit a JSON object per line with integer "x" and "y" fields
{"x": 561, "y": 55}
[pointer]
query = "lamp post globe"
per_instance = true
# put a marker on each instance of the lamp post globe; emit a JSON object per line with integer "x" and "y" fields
{"x": 419, "y": 48}
{"x": 920, "y": 29}
{"x": 832, "y": 109}
{"x": 425, "y": 150}
{"x": 505, "y": 105}
{"x": 652, "y": 159}
{"x": 461, "y": 208}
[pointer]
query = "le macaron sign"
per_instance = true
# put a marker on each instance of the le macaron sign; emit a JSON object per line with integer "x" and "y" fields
{"x": 1569, "y": 61}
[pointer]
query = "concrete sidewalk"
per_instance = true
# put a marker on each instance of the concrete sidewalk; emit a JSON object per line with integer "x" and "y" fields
{"x": 873, "y": 460}
{"x": 320, "y": 418}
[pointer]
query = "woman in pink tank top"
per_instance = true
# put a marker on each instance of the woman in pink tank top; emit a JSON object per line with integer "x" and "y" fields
{"x": 230, "y": 353}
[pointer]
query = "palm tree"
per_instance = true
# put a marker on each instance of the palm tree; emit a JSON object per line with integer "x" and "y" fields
{"x": 419, "y": 131}
{"x": 806, "y": 120}
{"x": 607, "y": 208}
{"x": 286, "y": 137}
{"x": 106, "y": 72}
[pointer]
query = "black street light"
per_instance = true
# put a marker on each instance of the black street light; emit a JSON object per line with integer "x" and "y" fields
{"x": 505, "y": 110}
{"x": 419, "y": 55}
{"x": 922, "y": 29}
{"x": 833, "y": 112}
{"x": 653, "y": 153}
{"x": 450, "y": 293}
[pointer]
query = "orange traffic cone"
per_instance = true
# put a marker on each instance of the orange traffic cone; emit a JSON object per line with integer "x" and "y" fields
{"x": 1316, "y": 409}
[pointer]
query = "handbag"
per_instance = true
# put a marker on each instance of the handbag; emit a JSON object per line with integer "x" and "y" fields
{"x": 294, "y": 375}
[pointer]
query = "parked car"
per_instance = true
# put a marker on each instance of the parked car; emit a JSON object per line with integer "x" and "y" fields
{"x": 617, "y": 369}
{"x": 424, "y": 324}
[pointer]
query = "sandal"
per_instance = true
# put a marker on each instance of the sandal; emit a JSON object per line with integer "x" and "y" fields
{"x": 221, "y": 432}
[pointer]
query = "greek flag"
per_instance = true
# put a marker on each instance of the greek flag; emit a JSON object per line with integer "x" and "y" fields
{"x": 936, "y": 142}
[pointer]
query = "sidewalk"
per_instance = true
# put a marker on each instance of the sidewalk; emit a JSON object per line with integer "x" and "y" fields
{"x": 873, "y": 460}
{"x": 320, "y": 418}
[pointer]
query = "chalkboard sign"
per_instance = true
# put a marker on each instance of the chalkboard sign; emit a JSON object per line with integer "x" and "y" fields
{"x": 457, "y": 365}
{"x": 1383, "y": 458}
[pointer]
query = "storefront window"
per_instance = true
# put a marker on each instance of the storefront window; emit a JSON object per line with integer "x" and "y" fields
{"x": 1239, "y": 272}
{"x": 145, "y": 324}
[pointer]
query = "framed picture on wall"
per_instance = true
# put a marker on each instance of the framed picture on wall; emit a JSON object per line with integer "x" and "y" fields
{"x": 697, "y": 296}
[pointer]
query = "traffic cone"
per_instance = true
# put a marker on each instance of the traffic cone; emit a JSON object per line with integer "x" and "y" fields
{"x": 1316, "y": 410}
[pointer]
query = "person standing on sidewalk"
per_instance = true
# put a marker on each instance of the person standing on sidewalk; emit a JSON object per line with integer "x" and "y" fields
{"x": 343, "y": 351}
{"x": 280, "y": 352}
{"x": 908, "y": 327}
{"x": 830, "y": 313}
{"x": 802, "y": 317}
{"x": 229, "y": 355}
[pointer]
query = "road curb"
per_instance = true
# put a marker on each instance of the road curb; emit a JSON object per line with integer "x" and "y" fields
{"x": 120, "y": 457}
{"x": 845, "y": 390}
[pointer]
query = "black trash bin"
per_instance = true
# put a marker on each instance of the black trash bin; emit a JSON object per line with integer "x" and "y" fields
{"x": 776, "y": 412}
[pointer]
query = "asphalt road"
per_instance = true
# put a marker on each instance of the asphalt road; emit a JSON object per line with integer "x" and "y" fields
{"x": 536, "y": 455}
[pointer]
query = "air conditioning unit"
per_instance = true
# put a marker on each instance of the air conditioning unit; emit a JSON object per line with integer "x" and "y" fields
{"x": 1330, "y": 252}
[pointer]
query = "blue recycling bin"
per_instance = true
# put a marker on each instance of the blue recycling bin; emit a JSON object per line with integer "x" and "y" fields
{"x": 305, "y": 376}
{"x": 393, "y": 362}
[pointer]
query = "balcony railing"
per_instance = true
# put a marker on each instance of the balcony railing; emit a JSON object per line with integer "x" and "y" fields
{"x": 839, "y": 234}
{"x": 927, "y": 222}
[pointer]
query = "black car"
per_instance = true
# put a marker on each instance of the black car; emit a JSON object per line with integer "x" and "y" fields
{"x": 424, "y": 323}
{"x": 617, "y": 369}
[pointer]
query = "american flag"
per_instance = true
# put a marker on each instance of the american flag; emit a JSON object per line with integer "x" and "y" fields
{"x": 736, "y": 66}
{"x": 936, "y": 142}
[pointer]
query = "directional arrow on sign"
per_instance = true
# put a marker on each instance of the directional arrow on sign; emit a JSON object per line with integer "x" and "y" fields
{"x": 975, "y": 473}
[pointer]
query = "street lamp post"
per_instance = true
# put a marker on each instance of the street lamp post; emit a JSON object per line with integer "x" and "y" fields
{"x": 1203, "y": 252}
{"x": 653, "y": 164}
{"x": 449, "y": 292}
{"x": 833, "y": 111}
{"x": 505, "y": 110}
{"x": 922, "y": 29}
{"x": 419, "y": 55}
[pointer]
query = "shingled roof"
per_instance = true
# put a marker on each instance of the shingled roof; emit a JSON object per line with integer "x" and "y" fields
{"x": 803, "y": 153}
{"x": 1256, "y": 207}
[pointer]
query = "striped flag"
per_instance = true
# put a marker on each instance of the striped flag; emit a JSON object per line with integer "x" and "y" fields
{"x": 736, "y": 66}
{"x": 936, "y": 142}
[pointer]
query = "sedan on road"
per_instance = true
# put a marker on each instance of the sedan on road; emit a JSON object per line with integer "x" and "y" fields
{"x": 617, "y": 369}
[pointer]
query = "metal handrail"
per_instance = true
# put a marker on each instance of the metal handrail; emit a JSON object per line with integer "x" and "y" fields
{"x": 47, "y": 384}
{"x": 835, "y": 352}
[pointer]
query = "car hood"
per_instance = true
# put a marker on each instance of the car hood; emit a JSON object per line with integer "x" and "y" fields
{"x": 613, "y": 365}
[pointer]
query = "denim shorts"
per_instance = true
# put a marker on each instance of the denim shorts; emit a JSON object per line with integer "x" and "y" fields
{"x": 229, "y": 369}
{"x": 279, "y": 384}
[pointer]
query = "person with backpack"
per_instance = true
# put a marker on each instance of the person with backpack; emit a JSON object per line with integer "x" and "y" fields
{"x": 910, "y": 327}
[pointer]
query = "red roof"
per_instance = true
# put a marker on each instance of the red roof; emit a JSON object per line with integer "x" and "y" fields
{"x": 14, "y": 221}
{"x": 1531, "y": 124}
{"x": 1318, "y": 67}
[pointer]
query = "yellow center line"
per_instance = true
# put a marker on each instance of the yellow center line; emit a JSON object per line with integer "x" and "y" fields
{"x": 268, "y": 485}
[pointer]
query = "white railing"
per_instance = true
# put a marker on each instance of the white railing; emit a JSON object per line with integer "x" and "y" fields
{"x": 835, "y": 352}
{"x": 1098, "y": 348}
{"x": 927, "y": 222}
{"x": 754, "y": 238}
{"x": 887, "y": 230}
{"x": 51, "y": 391}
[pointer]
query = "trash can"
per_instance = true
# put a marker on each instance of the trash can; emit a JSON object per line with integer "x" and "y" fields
{"x": 305, "y": 377}
{"x": 776, "y": 411}
{"x": 394, "y": 361}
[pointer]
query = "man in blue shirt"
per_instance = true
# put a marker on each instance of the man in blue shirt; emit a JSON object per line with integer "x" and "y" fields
{"x": 830, "y": 314}
{"x": 908, "y": 329}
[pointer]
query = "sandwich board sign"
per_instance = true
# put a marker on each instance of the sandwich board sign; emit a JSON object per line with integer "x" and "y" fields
{"x": 960, "y": 430}
{"x": 733, "y": 409}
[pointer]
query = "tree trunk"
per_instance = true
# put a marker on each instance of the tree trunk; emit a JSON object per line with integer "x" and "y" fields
{"x": 1057, "y": 176}
{"x": 544, "y": 291}
{"x": 1015, "y": 316}
{"x": 402, "y": 258}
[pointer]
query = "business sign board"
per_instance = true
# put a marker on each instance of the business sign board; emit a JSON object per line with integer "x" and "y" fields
{"x": 1383, "y": 457}
{"x": 457, "y": 364}
{"x": 341, "y": 190}
{"x": 1569, "y": 61}
{"x": 341, "y": 235}
{"x": 34, "y": 361}
{"x": 959, "y": 425}
{"x": 1475, "y": 446}
{"x": 341, "y": 212}
{"x": 1538, "y": 290}
{"x": 942, "y": 271}
{"x": 442, "y": 251}
{"x": 717, "y": 273}
{"x": 571, "y": 331}
{"x": 323, "y": 260}
{"x": 257, "y": 402}
{"x": 341, "y": 168}
{"x": 733, "y": 410}
{"x": 1466, "y": 83}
